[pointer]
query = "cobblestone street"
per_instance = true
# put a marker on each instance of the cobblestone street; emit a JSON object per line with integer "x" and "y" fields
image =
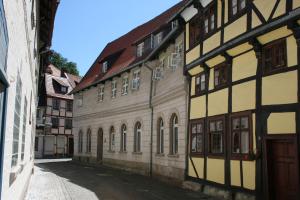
{"x": 65, "y": 180}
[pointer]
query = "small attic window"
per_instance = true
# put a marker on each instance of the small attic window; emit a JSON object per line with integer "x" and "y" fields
{"x": 64, "y": 89}
{"x": 174, "y": 24}
{"x": 104, "y": 67}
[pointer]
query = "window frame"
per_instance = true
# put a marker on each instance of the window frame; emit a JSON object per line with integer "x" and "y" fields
{"x": 241, "y": 156}
{"x": 174, "y": 141}
{"x": 208, "y": 136}
{"x": 69, "y": 106}
{"x": 113, "y": 89}
{"x": 219, "y": 68}
{"x": 211, "y": 7}
{"x": 160, "y": 136}
{"x": 55, "y": 104}
{"x": 104, "y": 67}
{"x": 273, "y": 46}
{"x": 137, "y": 137}
{"x": 192, "y": 122}
{"x": 54, "y": 125}
{"x": 136, "y": 78}
{"x": 240, "y": 11}
{"x": 194, "y": 31}
{"x": 125, "y": 85}
{"x": 123, "y": 142}
{"x": 80, "y": 141}
{"x": 112, "y": 139}
{"x": 140, "y": 49}
{"x": 198, "y": 90}
{"x": 69, "y": 125}
{"x": 101, "y": 93}
{"x": 89, "y": 141}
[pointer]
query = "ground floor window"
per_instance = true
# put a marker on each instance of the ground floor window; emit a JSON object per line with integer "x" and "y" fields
{"x": 89, "y": 141}
{"x": 137, "y": 137}
{"x": 112, "y": 139}
{"x": 123, "y": 138}
{"x": 216, "y": 133}
{"x": 160, "y": 136}
{"x": 174, "y": 135}
{"x": 80, "y": 142}
{"x": 197, "y": 136}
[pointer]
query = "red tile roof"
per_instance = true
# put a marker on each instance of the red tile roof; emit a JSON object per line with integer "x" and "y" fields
{"x": 126, "y": 44}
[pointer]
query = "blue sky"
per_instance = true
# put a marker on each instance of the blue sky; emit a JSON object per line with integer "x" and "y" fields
{"x": 83, "y": 28}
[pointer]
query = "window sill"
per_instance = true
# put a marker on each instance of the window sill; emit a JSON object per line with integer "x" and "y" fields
{"x": 173, "y": 155}
{"x": 159, "y": 154}
{"x": 137, "y": 153}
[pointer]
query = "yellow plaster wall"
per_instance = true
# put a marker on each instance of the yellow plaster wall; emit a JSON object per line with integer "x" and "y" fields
{"x": 215, "y": 61}
{"x": 265, "y": 7}
{"x": 219, "y": 13}
{"x": 215, "y": 170}
{"x": 280, "y": 88}
{"x": 235, "y": 29}
{"x": 282, "y": 123}
{"x": 196, "y": 70}
{"x": 199, "y": 165}
{"x": 274, "y": 35}
{"x": 187, "y": 36}
{"x": 291, "y": 51}
{"x": 255, "y": 20}
{"x": 244, "y": 66}
{"x": 254, "y": 132}
{"x": 218, "y": 102}
{"x": 211, "y": 79}
{"x": 249, "y": 174}
{"x": 280, "y": 9}
{"x": 226, "y": 11}
{"x": 193, "y": 90}
{"x": 198, "y": 107}
{"x": 296, "y": 4}
{"x": 239, "y": 49}
{"x": 235, "y": 173}
{"x": 193, "y": 54}
{"x": 212, "y": 42}
{"x": 243, "y": 96}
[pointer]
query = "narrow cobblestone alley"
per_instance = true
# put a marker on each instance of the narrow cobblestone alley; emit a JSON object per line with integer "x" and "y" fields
{"x": 66, "y": 180}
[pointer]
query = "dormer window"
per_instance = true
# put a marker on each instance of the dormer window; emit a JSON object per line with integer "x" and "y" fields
{"x": 157, "y": 39}
{"x": 104, "y": 67}
{"x": 210, "y": 18}
{"x": 174, "y": 24}
{"x": 140, "y": 49}
{"x": 64, "y": 89}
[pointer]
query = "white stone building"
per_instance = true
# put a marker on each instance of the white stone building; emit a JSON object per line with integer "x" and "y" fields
{"x": 20, "y": 41}
{"x": 130, "y": 108}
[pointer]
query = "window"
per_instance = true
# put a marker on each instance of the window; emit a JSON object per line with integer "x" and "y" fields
{"x": 55, "y": 104}
{"x": 55, "y": 122}
{"x": 112, "y": 139}
{"x": 140, "y": 49}
{"x": 137, "y": 137}
{"x": 113, "y": 89}
{"x": 17, "y": 119}
{"x": 136, "y": 80}
{"x": 36, "y": 144}
{"x": 174, "y": 24}
{"x": 274, "y": 56}
{"x": 68, "y": 123}
{"x": 123, "y": 138}
{"x": 101, "y": 93}
{"x": 69, "y": 107}
{"x": 241, "y": 134}
{"x": 179, "y": 48}
{"x": 201, "y": 84}
{"x": 194, "y": 30}
{"x": 104, "y": 67}
{"x": 125, "y": 86}
{"x": 89, "y": 141}
{"x": 220, "y": 75}
{"x": 216, "y": 132}
{"x": 160, "y": 136}
{"x": 80, "y": 100}
{"x": 210, "y": 19}
{"x": 197, "y": 136}
{"x": 64, "y": 89}
{"x": 24, "y": 129}
{"x": 157, "y": 39}
{"x": 174, "y": 135}
{"x": 80, "y": 142}
{"x": 236, "y": 7}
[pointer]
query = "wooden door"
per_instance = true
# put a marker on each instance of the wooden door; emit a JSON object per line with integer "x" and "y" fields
{"x": 283, "y": 170}
{"x": 100, "y": 145}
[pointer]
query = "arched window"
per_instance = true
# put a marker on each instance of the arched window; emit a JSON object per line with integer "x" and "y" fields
{"x": 123, "y": 138}
{"x": 80, "y": 136}
{"x": 160, "y": 136}
{"x": 89, "y": 141}
{"x": 174, "y": 135}
{"x": 112, "y": 139}
{"x": 137, "y": 137}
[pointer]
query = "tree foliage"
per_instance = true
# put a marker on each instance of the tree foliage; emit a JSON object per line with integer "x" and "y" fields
{"x": 63, "y": 64}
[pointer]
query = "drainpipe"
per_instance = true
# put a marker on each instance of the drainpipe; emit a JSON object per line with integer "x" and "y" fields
{"x": 151, "y": 119}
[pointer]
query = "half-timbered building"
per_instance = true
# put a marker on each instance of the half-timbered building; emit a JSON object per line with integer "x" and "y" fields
{"x": 242, "y": 62}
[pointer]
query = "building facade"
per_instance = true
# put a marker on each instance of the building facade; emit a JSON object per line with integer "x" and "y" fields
{"x": 130, "y": 108}
{"x": 20, "y": 41}
{"x": 242, "y": 60}
{"x": 54, "y": 137}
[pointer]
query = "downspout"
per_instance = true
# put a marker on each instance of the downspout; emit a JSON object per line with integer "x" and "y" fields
{"x": 151, "y": 118}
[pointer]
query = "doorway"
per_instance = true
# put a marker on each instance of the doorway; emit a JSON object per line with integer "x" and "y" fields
{"x": 71, "y": 147}
{"x": 100, "y": 145}
{"x": 282, "y": 167}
